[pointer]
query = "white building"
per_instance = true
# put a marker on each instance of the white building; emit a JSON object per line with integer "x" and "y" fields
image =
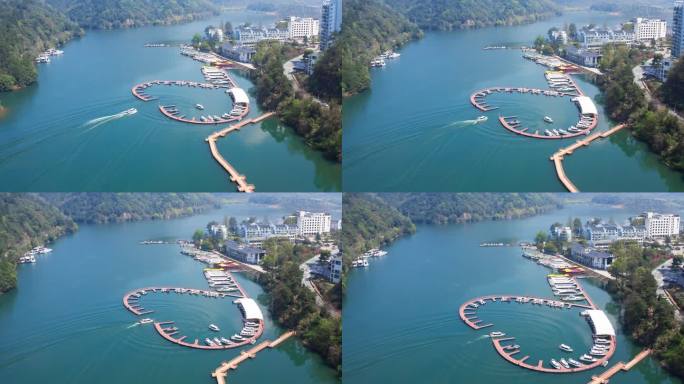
{"x": 243, "y": 252}
{"x": 661, "y": 225}
{"x": 595, "y": 38}
{"x": 563, "y": 233}
{"x": 331, "y": 22}
{"x": 249, "y": 36}
{"x": 335, "y": 272}
{"x": 302, "y": 27}
{"x": 256, "y": 234}
{"x": 649, "y": 29}
{"x": 311, "y": 223}
{"x": 219, "y": 231}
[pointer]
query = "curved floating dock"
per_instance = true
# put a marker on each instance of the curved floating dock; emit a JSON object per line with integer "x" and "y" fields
{"x": 130, "y": 302}
{"x": 468, "y": 313}
{"x": 235, "y": 176}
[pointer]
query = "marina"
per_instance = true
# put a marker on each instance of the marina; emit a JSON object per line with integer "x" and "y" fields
{"x": 85, "y": 335}
{"x": 427, "y": 331}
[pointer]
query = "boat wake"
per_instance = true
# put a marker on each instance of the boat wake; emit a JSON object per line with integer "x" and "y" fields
{"x": 478, "y": 339}
{"x": 94, "y": 123}
{"x": 133, "y": 325}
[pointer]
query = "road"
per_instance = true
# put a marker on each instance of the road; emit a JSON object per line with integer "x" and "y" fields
{"x": 659, "y": 275}
{"x": 638, "y": 73}
{"x": 289, "y": 72}
{"x": 306, "y": 281}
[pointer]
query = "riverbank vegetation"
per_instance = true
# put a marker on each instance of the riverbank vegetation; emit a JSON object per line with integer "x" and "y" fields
{"x": 28, "y": 27}
{"x": 30, "y": 220}
{"x": 110, "y": 14}
{"x": 648, "y": 319}
{"x": 293, "y": 306}
{"x": 26, "y": 221}
{"x": 625, "y": 102}
{"x": 319, "y": 122}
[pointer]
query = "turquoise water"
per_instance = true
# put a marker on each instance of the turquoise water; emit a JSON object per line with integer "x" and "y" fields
{"x": 47, "y": 145}
{"x": 401, "y": 321}
{"x": 413, "y": 131}
{"x": 66, "y": 322}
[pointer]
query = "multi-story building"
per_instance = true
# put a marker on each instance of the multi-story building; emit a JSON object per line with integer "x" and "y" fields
{"x": 678, "y": 29}
{"x": 591, "y": 257}
{"x": 649, "y": 29}
{"x": 250, "y": 36}
{"x": 242, "y": 53}
{"x": 595, "y": 38}
{"x": 336, "y": 225}
{"x": 582, "y": 56}
{"x": 335, "y": 269}
{"x": 219, "y": 231}
{"x": 313, "y": 223}
{"x": 331, "y": 22}
{"x": 243, "y": 252}
{"x": 302, "y": 27}
{"x": 602, "y": 235}
{"x": 215, "y": 34}
{"x": 562, "y": 233}
{"x": 560, "y": 36}
{"x": 661, "y": 225}
{"x": 661, "y": 71}
{"x": 256, "y": 234}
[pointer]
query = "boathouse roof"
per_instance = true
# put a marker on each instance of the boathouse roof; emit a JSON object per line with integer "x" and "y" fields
{"x": 600, "y": 323}
{"x": 250, "y": 309}
{"x": 586, "y": 105}
{"x": 239, "y": 96}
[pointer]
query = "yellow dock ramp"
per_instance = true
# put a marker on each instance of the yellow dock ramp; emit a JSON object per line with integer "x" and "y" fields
{"x": 235, "y": 176}
{"x": 557, "y": 157}
{"x": 221, "y": 372}
{"x": 620, "y": 366}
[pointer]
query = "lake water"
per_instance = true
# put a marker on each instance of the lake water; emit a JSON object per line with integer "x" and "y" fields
{"x": 413, "y": 131}
{"x": 66, "y": 323}
{"x": 47, "y": 145}
{"x": 401, "y": 321}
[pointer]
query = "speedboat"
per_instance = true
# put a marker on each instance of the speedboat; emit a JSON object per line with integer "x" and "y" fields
{"x": 199, "y": 106}
{"x": 237, "y": 338}
{"x": 225, "y": 341}
{"x": 481, "y": 119}
{"x": 217, "y": 341}
{"x": 548, "y": 119}
{"x": 565, "y": 347}
{"x": 555, "y": 364}
{"x": 146, "y": 321}
{"x": 214, "y": 328}
{"x": 209, "y": 342}
{"x": 131, "y": 111}
{"x": 497, "y": 334}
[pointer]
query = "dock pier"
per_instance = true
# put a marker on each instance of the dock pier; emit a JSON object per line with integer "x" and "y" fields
{"x": 558, "y": 157}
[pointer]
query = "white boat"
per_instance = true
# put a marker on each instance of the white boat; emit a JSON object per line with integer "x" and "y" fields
{"x": 217, "y": 341}
{"x": 565, "y": 347}
{"x": 214, "y": 328}
{"x": 131, "y": 111}
{"x": 209, "y": 342}
{"x": 482, "y": 119}
{"x": 146, "y": 321}
{"x": 226, "y": 341}
{"x": 237, "y": 338}
{"x": 548, "y": 119}
{"x": 555, "y": 364}
{"x": 199, "y": 106}
{"x": 575, "y": 363}
{"x": 587, "y": 358}
{"x": 564, "y": 363}
{"x": 497, "y": 334}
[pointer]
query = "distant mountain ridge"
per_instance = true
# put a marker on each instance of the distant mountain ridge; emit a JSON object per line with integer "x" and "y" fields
{"x": 457, "y": 14}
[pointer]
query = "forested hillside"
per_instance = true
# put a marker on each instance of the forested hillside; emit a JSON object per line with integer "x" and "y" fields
{"x": 26, "y": 221}
{"x": 108, "y": 14}
{"x": 369, "y": 28}
{"x": 28, "y": 27}
{"x": 100, "y": 208}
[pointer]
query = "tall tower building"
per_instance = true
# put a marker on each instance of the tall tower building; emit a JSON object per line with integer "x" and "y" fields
{"x": 331, "y": 22}
{"x": 678, "y": 29}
